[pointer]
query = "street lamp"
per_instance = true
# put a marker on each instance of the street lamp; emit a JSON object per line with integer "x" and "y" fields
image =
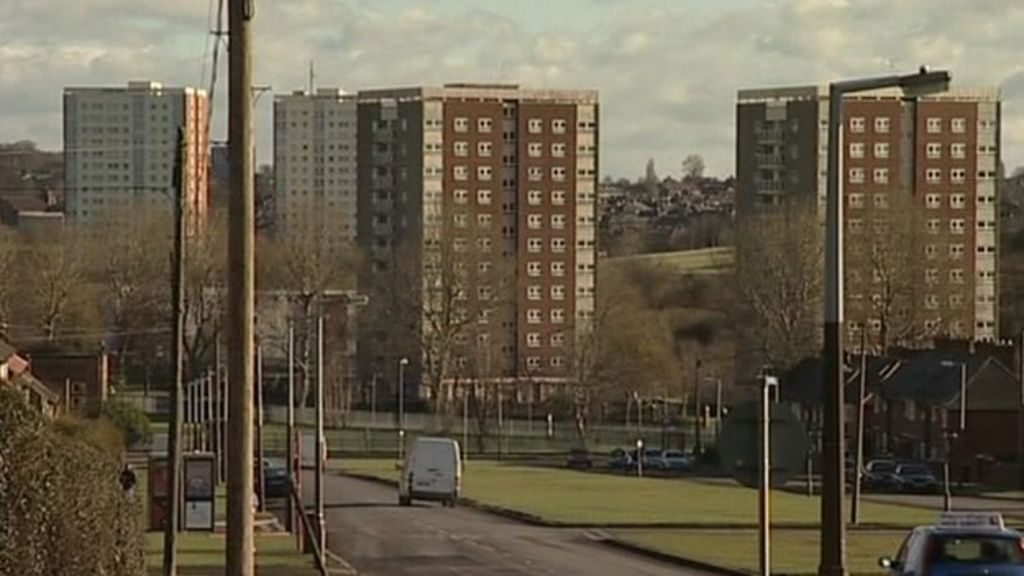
{"x": 949, "y": 436}
{"x": 402, "y": 363}
{"x": 639, "y": 457}
{"x": 833, "y": 528}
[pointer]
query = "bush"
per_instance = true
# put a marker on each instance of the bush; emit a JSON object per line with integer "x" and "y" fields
{"x": 101, "y": 434}
{"x": 131, "y": 421}
{"x": 62, "y": 509}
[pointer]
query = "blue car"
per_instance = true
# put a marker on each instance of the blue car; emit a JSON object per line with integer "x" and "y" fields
{"x": 960, "y": 544}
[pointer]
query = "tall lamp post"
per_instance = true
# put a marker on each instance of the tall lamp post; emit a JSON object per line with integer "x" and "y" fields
{"x": 833, "y": 527}
{"x": 949, "y": 436}
{"x": 402, "y": 363}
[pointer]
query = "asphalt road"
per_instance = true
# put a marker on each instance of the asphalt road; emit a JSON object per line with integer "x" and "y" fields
{"x": 368, "y": 529}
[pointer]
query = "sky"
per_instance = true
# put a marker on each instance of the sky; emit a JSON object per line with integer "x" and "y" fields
{"x": 667, "y": 70}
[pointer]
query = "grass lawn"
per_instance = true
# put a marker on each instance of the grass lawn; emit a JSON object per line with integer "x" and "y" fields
{"x": 793, "y": 551}
{"x": 580, "y": 498}
{"x": 201, "y": 554}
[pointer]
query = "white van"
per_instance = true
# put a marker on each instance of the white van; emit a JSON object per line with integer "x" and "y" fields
{"x": 432, "y": 471}
{"x": 308, "y": 448}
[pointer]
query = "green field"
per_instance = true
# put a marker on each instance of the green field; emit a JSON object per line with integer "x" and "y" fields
{"x": 793, "y": 551}
{"x": 563, "y": 496}
{"x": 202, "y": 554}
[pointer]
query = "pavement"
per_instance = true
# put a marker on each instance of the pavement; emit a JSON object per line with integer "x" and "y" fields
{"x": 371, "y": 532}
{"x": 1014, "y": 508}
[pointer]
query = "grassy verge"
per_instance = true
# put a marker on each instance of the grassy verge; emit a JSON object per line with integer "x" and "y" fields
{"x": 202, "y": 554}
{"x": 578, "y": 498}
{"x": 793, "y": 551}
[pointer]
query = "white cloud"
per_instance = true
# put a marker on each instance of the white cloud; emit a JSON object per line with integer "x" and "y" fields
{"x": 667, "y": 70}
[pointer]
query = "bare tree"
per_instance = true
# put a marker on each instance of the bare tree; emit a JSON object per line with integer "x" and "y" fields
{"x": 8, "y": 251}
{"x": 693, "y": 167}
{"x": 55, "y": 293}
{"x": 779, "y": 283}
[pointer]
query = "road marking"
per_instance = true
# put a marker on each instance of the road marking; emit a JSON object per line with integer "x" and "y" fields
{"x": 345, "y": 566}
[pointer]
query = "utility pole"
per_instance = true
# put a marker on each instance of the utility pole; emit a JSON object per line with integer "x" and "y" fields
{"x": 318, "y": 477}
{"x": 177, "y": 352}
{"x": 241, "y": 291}
{"x": 858, "y": 473}
{"x": 765, "y": 486}
{"x": 290, "y": 442}
{"x": 261, "y": 477}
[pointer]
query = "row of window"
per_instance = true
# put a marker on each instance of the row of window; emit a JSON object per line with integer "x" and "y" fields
{"x": 535, "y": 362}
{"x": 486, "y": 173}
{"x": 535, "y": 292}
{"x": 485, "y": 149}
{"x": 536, "y": 245}
{"x": 535, "y": 316}
{"x": 534, "y": 125}
{"x": 932, "y": 175}
{"x": 933, "y": 125}
{"x": 534, "y": 339}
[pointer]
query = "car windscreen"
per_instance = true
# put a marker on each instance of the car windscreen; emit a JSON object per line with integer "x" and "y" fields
{"x": 975, "y": 549}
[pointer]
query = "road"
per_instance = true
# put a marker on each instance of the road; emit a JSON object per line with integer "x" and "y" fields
{"x": 369, "y": 530}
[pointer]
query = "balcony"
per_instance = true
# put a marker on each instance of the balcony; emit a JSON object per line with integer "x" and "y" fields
{"x": 769, "y": 135}
{"x": 769, "y": 187}
{"x": 765, "y": 160}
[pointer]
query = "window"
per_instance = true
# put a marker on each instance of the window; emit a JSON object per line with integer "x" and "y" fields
{"x": 558, "y": 269}
{"x": 558, "y": 245}
{"x": 533, "y": 316}
{"x": 956, "y": 226}
{"x": 558, "y": 197}
{"x": 558, "y": 173}
{"x": 484, "y": 149}
{"x": 535, "y": 221}
{"x": 484, "y": 220}
{"x": 460, "y": 244}
{"x": 534, "y": 245}
{"x": 958, "y": 175}
{"x": 931, "y": 251}
{"x": 462, "y": 148}
{"x": 535, "y": 174}
{"x": 462, "y": 124}
{"x": 856, "y": 150}
{"x": 931, "y": 275}
{"x": 533, "y": 269}
{"x": 881, "y": 149}
{"x": 881, "y": 175}
{"x": 533, "y": 292}
{"x": 957, "y": 201}
{"x": 484, "y": 244}
{"x": 933, "y": 150}
{"x": 484, "y": 267}
{"x": 933, "y": 175}
{"x": 484, "y": 317}
{"x": 558, "y": 150}
{"x": 483, "y": 293}
{"x": 986, "y": 174}
{"x": 933, "y": 201}
{"x": 855, "y": 225}
{"x": 484, "y": 125}
{"x": 535, "y": 126}
{"x": 958, "y": 150}
{"x": 535, "y": 149}
{"x": 559, "y": 125}
{"x": 956, "y": 276}
{"x": 533, "y": 339}
{"x": 557, "y": 340}
{"x": 533, "y": 362}
{"x": 956, "y": 251}
{"x": 460, "y": 220}
{"x": 557, "y": 316}
{"x": 934, "y": 225}
{"x": 857, "y": 124}
{"x": 558, "y": 292}
{"x": 931, "y": 302}
{"x": 934, "y": 125}
{"x": 484, "y": 173}
{"x": 856, "y": 175}
{"x": 483, "y": 197}
{"x": 558, "y": 221}
{"x": 881, "y": 201}
{"x": 958, "y": 125}
{"x": 882, "y": 124}
{"x": 956, "y": 301}
{"x": 534, "y": 197}
{"x": 856, "y": 200}
{"x": 461, "y": 172}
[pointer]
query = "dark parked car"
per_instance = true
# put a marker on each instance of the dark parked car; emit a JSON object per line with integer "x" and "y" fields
{"x": 579, "y": 458}
{"x": 916, "y": 477}
{"x": 619, "y": 459}
{"x": 880, "y": 475}
{"x": 275, "y": 479}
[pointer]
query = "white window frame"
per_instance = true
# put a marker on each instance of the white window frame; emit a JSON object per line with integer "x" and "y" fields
{"x": 534, "y": 292}
{"x": 461, "y": 149}
{"x": 558, "y": 221}
{"x": 880, "y": 176}
{"x": 484, "y": 197}
{"x": 484, "y": 149}
{"x": 461, "y": 124}
{"x": 957, "y": 226}
{"x": 933, "y": 176}
{"x": 856, "y": 149}
{"x": 534, "y": 316}
{"x": 958, "y": 201}
{"x": 881, "y": 150}
{"x": 558, "y": 292}
{"x": 958, "y": 125}
{"x": 535, "y": 126}
{"x": 559, "y": 126}
{"x": 484, "y": 173}
{"x": 534, "y": 269}
{"x": 535, "y": 149}
{"x": 558, "y": 173}
{"x": 558, "y": 245}
{"x": 484, "y": 125}
{"x": 460, "y": 173}
{"x": 933, "y": 150}
{"x": 535, "y": 221}
{"x": 933, "y": 201}
{"x": 533, "y": 339}
{"x": 534, "y": 197}
{"x": 558, "y": 197}
{"x": 534, "y": 245}
{"x": 856, "y": 175}
{"x": 856, "y": 200}
{"x": 535, "y": 174}
{"x": 958, "y": 150}
{"x": 958, "y": 175}
{"x": 558, "y": 269}
{"x": 857, "y": 124}
{"x": 558, "y": 150}
{"x": 933, "y": 125}
{"x": 883, "y": 124}
{"x": 557, "y": 316}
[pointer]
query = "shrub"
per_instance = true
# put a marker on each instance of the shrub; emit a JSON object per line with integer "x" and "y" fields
{"x": 101, "y": 433}
{"x": 62, "y": 509}
{"x": 131, "y": 421}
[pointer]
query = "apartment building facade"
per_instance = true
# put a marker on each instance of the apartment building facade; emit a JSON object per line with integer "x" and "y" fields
{"x": 315, "y": 167}
{"x": 485, "y": 195}
{"x": 119, "y": 150}
{"x": 919, "y": 195}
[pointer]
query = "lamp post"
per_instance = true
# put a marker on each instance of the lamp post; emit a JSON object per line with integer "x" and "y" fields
{"x": 833, "y": 527}
{"x": 950, "y": 436}
{"x": 402, "y": 363}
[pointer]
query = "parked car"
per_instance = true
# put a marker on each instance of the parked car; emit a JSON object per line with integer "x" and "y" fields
{"x": 619, "y": 459}
{"x": 275, "y": 478}
{"x": 916, "y": 477}
{"x": 579, "y": 458}
{"x": 673, "y": 460}
{"x": 961, "y": 543}
{"x": 880, "y": 475}
{"x": 432, "y": 471}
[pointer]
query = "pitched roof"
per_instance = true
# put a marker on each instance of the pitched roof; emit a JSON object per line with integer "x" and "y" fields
{"x": 803, "y": 382}
{"x": 934, "y": 377}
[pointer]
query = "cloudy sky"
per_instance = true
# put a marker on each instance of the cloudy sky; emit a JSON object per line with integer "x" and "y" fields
{"x": 667, "y": 70}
